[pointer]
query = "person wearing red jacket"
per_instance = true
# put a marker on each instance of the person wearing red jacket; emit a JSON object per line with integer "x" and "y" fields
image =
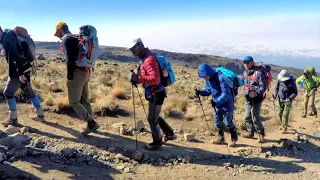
{"x": 149, "y": 76}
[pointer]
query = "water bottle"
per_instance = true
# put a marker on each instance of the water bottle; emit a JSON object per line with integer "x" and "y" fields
{"x": 301, "y": 84}
{"x": 165, "y": 73}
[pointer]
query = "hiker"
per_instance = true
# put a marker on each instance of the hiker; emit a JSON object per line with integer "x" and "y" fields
{"x": 78, "y": 76}
{"x": 149, "y": 76}
{"x": 310, "y": 83}
{"x": 286, "y": 91}
{"x": 222, "y": 102}
{"x": 254, "y": 91}
{"x": 19, "y": 58}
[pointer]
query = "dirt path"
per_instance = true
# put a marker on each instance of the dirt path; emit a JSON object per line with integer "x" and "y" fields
{"x": 250, "y": 160}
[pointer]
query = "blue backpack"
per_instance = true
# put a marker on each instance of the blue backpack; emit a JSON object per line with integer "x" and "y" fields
{"x": 167, "y": 74}
{"x": 233, "y": 81}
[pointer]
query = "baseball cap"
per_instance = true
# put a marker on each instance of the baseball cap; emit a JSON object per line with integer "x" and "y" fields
{"x": 59, "y": 25}
{"x": 247, "y": 59}
{"x": 134, "y": 42}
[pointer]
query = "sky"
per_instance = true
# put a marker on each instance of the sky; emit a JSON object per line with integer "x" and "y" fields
{"x": 279, "y": 32}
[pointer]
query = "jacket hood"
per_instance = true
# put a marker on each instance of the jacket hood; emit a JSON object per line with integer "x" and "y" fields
{"x": 205, "y": 70}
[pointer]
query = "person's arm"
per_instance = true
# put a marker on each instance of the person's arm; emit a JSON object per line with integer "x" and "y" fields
{"x": 9, "y": 44}
{"x": 262, "y": 84}
{"x": 206, "y": 91}
{"x": 299, "y": 79}
{"x": 152, "y": 75}
{"x": 70, "y": 54}
{"x": 223, "y": 98}
{"x": 294, "y": 92}
{"x": 317, "y": 80}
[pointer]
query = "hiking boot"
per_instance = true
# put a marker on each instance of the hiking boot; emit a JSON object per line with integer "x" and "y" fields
{"x": 247, "y": 134}
{"x": 234, "y": 137}
{"x": 10, "y": 122}
{"x": 153, "y": 146}
{"x": 284, "y": 130}
{"x": 315, "y": 114}
{"x": 261, "y": 138}
{"x": 91, "y": 127}
{"x": 169, "y": 137}
{"x": 36, "y": 117}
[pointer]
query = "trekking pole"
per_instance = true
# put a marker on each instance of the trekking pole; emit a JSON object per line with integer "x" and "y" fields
{"x": 144, "y": 109}
{"x": 134, "y": 114}
{"x": 205, "y": 117}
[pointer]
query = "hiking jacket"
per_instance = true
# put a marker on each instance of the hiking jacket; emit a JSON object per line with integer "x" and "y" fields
{"x": 310, "y": 83}
{"x": 70, "y": 51}
{"x": 256, "y": 84}
{"x": 285, "y": 90}
{"x": 17, "y": 63}
{"x": 217, "y": 88}
{"x": 149, "y": 74}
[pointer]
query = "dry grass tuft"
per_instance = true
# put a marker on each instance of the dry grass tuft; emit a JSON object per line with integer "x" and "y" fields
{"x": 105, "y": 104}
{"x": 191, "y": 113}
{"x": 175, "y": 106}
{"x": 61, "y": 103}
{"x": 120, "y": 89}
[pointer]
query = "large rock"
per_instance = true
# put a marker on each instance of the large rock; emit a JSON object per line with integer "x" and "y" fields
{"x": 138, "y": 156}
{"x": 69, "y": 152}
{"x": 18, "y": 151}
{"x": 2, "y": 157}
{"x": 41, "y": 57}
{"x": 3, "y": 135}
{"x": 189, "y": 137}
{"x": 11, "y": 130}
{"x": 140, "y": 125}
{"x": 15, "y": 139}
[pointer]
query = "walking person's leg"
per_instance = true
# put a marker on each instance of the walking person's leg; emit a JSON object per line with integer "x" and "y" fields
{"x": 153, "y": 119}
{"x": 306, "y": 101}
{"x": 228, "y": 121}
{"x": 85, "y": 96}
{"x": 218, "y": 123}
{"x": 11, "y": 88}
{"x": 257, "y": 120}
{"x": 313, "y": 106}
{"x": 75, "y": 89}
{"x": 281, "y": 109}
{"x": 285, "y": 117}
{"x": 248, "y": 119}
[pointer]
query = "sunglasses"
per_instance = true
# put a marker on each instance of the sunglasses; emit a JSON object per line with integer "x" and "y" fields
{"x": 247, "y": 62}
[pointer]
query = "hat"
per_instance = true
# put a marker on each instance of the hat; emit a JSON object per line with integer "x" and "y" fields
{"x": 248, "y": 59}
{"x": 59, "y": 25}
{"x": 134, "y": 42}
{"x": 284, "y": 75}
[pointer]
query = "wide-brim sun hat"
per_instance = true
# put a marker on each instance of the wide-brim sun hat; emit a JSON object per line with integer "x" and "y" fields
{"x": 284, "y": 76}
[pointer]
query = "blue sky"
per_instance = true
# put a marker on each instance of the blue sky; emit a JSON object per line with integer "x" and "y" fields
{"x": 227, "y": 28}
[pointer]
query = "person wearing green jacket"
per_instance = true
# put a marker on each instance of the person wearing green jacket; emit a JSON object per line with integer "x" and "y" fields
{"x": 311, "y": 83}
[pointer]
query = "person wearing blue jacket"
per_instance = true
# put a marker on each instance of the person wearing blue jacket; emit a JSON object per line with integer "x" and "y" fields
{"x": 222, "y": 102}
{"x": 18, "y": 57}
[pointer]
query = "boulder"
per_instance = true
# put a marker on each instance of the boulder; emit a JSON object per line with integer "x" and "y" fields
{"x": 15, "y": 139}
{"x": 11, "y": 130}
{"x": 140, "y": 125}
{"x": 189, "y": 137}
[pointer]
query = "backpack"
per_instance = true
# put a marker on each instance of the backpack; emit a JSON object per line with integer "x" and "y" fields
{"x": 88, "y": 46}
{"x": 23, "y": 36}
{"x": 311, "y": 70}
{"x": 167, "y": 73}
{"x": 233, "y": 81}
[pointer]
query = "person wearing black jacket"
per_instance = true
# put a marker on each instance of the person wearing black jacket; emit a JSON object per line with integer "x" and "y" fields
{"x": 286, "y": 91}
{"x": 78, "y": 77}
{"x": 18, "y": 56}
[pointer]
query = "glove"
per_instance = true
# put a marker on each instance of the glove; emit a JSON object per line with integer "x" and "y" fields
{"x": 213, "y": 104}
{"x": 133, "y": 78}
{"x": 197, "y": 91}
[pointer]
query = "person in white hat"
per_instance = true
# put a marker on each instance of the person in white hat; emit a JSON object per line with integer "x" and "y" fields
{"x": 149, "y": 76}
{"x": 286, "y": 91}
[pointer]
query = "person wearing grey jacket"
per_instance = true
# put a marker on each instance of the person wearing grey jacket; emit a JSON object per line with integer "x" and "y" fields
{"x": 286, "y": 91}
{"x": 254, "y": 88}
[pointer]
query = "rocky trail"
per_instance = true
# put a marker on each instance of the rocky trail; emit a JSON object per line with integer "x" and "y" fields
{"x": 54, "y": 149}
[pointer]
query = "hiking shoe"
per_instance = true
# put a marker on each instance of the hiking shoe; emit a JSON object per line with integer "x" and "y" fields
{"x": 152, "y": 146}
{"x": 169, "y": 137}
{"x": 232, "y": 144}
{"x": 9, "y": 122}
{"x": 261, "y": 138}
{"x": 284, "y": 130}
{"x": 36, "y": 117}
{"x": 247, "y": 134}
{"x": 218, "y": 141}
{"x": 91, "y": 127}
